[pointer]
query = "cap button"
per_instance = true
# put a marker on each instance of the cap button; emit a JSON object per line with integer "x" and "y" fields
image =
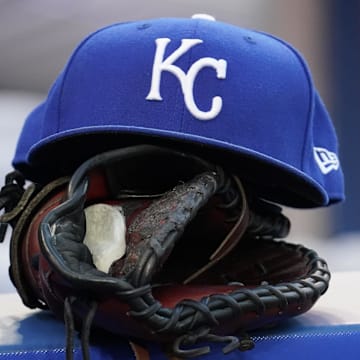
{"x": 203, "y": 17}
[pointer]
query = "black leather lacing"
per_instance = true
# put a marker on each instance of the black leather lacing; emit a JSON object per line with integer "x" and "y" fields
{"x": 69, "y": 327}
{"x": 85, "y": 329}
{"x": 187, "y": 314}
{"x": 242, "y": 343}
{"x": 266, "y": 220}
{"x": 208, "y": 310}
{"x": 10, "y": 195}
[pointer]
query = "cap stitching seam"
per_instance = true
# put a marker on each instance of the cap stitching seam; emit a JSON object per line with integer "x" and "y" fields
{"x": 68, "y": 66}
{"x": 311, "y": 91}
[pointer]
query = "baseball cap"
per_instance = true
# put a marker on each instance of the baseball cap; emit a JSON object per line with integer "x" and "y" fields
{"x": 239, "y": 97}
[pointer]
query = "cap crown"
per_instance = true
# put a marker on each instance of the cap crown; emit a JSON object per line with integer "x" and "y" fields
{"x": 242, "y": 97}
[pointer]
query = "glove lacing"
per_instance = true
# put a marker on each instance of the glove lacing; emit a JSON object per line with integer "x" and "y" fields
{"x": 12, "y": 197}
{"x": 85, "y": 329}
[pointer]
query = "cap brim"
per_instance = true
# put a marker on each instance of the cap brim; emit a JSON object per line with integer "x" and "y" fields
{"x": 272, "y": 179}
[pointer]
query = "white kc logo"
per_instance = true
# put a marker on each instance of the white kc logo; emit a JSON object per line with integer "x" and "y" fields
{"x": 186, "y": 79}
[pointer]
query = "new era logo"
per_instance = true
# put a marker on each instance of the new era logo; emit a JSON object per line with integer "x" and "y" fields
{"x": 326, "y": 160}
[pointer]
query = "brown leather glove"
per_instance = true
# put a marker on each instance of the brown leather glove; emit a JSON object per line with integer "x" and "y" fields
{"x": 198, "y": 257}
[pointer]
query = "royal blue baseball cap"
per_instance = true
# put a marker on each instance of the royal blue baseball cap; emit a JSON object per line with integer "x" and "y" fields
{"x": 238, "y": 97}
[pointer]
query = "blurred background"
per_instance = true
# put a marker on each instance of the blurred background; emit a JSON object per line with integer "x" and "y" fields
{"x": 38, "y": 36}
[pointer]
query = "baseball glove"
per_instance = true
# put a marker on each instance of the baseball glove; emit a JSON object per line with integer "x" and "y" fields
{"x": 153, "y": 243}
